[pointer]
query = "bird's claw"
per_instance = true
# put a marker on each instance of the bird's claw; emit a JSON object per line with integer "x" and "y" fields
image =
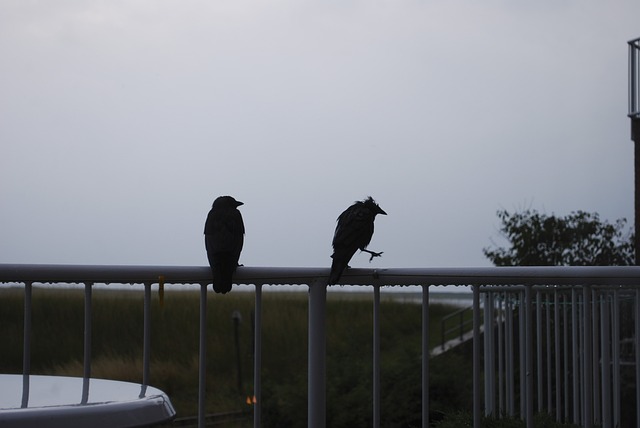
{"x": 373, "y": 254}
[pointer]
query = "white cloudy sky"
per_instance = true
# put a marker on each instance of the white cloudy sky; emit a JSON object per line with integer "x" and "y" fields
{"x": 121, "y": 121}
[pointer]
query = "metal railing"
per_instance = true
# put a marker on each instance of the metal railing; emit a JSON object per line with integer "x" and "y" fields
{"x": 460, "y": 325}
{"x": 634, "y": 78}
{"x": 570, "y": 338}
{"x": 590, "y": 295}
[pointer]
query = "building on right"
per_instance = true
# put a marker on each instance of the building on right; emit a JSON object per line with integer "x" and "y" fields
{"x": 634, "y": 115}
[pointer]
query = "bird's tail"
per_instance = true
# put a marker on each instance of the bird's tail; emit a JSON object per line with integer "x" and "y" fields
{"x": 223, "y": 276}
{"x": 338, "y": 266}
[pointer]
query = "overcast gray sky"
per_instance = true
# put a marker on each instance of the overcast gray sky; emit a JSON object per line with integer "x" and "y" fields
{"x": 121, "y": 121}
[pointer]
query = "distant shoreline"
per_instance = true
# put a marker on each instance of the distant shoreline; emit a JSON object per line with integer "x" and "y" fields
{"x": 461, "y": 297}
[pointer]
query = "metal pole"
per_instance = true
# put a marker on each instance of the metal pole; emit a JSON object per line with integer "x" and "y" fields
{"x": 442, "y": 331}
{"x": 637, "y": 347}
{"x": 581, "y": 356}
{"x": 634, "y": 95}
{"x": 476, "y": 358}
{"x": 501, "y": 383}
{"x": 558, "y": 369}
{"x": 202, "y": 363}
{"x": 146, "y": 341}
{"x": 606, "y": 364}
{"x": 596, "y": 352}
{"x": 632, "y": 90}
{"x": 26, "y": 351}
{"x": 488, "y": 355}
{"x": 529, "y": 357}
{"x": 615, "y": 345}
{"x": 522, "y": 326}
{"x": 425, "y": 356}
{"x": 236, "y": 317}
{"x": 549, "y": 356}
{"x": 539, "y": 374}
{"x": 257, "y": 358}
{"x": 575, "y": 349}
{"x": 510, "y": 372}
{"x": 317, "y": 355}
{"x": 588, "y": 362}
{"x": 376, "y": 356}
{"x": 565, "y": 334}
{"x": 88, "y": 287}
{"x": 493, "y": 350}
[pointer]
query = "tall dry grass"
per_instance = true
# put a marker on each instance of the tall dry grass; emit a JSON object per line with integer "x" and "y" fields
{"x": 117, "y": 324}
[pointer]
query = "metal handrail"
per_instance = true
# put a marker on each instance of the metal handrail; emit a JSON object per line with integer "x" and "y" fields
{"x": 484, "y": 276}
{"x": 459, "y": 327}
{"x": 578, "y": 281}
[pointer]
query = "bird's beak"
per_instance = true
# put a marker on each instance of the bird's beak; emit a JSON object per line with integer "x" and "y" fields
{"x": 238, "y": 203}
{"x": 382, "y": 211}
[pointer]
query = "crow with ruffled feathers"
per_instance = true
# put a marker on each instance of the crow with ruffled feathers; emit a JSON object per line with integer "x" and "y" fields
{"x": 353, "y": 232}
{"x": 223, "y": 239}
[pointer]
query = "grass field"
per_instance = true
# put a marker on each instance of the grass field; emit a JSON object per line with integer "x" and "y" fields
{"x": 57, "y": 348}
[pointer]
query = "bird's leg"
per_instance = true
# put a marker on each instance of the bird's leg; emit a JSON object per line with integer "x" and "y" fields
{"x": 373, "y": 254}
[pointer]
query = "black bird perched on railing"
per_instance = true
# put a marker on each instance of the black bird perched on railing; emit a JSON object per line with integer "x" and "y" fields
{"x": 223, "y": 239}
{"x": 353, "y": 232}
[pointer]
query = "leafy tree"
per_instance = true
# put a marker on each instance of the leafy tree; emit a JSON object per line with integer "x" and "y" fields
{"x": 579, "y": 239}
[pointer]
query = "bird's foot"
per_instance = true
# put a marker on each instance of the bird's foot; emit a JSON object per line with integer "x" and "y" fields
{"x": 373, "y": 254}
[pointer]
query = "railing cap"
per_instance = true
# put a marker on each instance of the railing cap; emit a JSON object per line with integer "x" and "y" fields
{"x": 115, "y": 274}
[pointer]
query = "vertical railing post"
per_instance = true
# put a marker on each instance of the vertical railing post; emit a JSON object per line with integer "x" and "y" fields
{"x": 522, "y": 326}
{"x": 605, "y": 365}
{"x": 565, "y": 356}
{"x": 596, "y": 353}
{"x": 476, "y": 358}
{"x": 376, "y": 356}
{"x": 88, "y": 287}
{"x": 588, "y": 362}
{"x": 425, "y": 356}
{"x": 575, "y": 354}
{"x": 529, "y": 356}
{"x": 549, "y": 355}
{"x": 637, "y": 353}
{"x": 501, "y": 348}
{"x": 202, "y": 359}
{"x": 539, "y": 369}
{"x": 615, "y": 347}
{"x": 489, "y": 355}
{"x": 26, "y": 351}
{"x": 510, "y": 354}
{"x": 486, "y": 353}
{"x": 557, "y": 351}
{"x": 317, "y": 355}
{"x": 257, "y": 358}
{"x": 146, "y": 340}
{"x": 632, "y": 83}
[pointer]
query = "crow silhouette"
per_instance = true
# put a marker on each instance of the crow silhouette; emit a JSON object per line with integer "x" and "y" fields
{"x": 223, "y": 239}
{"x": 353, "y": 231}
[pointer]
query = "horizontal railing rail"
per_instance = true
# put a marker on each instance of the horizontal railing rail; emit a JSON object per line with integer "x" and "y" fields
{"x": 486, "y": 276}
{"x": 525, "y": 282}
